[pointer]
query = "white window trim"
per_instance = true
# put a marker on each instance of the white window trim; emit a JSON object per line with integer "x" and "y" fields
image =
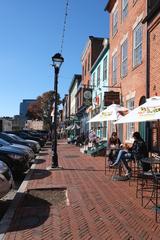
{"x": 114, "y": 51}
{"x": 124, "y": 59}
{"x": 138, "y": 20}
{"x": 123, "y": 8}
{"x": 114, "y": 33}
{"x": 140, "y": 43}
{"x": 124, "y": 38}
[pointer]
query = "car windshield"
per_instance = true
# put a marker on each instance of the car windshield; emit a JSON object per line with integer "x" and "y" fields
{"x": 3, "y": 142}
{"x": 15, "y": 137}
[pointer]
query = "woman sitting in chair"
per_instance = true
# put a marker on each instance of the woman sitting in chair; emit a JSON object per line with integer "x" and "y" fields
{"x": 113, "y": 143}
{"x": 137, "y": 151}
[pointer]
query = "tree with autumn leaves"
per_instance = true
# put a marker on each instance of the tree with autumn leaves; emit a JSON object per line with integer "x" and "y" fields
{"x": 41, "y": 109}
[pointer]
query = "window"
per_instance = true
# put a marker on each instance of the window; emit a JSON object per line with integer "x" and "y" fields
{"x": 98, "y": 76}
{"x": 137, "y": 45}
{"x": 124, "y": 9}
{"x": 93, "y": 80}
{"x": 130, "y": 126}
{"x": 115, "y": 22}
{"x": 105, "y": 69}
{"x": 86, "y": 65}
{"x": 124, "y": 58}
{"x": 83, "y": 72}
{"x": 88, "y": 62}
{"x": 114, "y": 69}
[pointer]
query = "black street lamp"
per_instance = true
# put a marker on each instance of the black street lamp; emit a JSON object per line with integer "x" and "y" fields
{"x": 57, "y": 62}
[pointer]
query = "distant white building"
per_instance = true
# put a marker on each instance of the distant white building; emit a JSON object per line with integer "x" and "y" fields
{"x": 18, "y": 123}
{"x": 5, "y": 124}
{"x": 34, "y": 124}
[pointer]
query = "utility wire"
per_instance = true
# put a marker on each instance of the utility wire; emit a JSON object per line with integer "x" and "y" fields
{"x": 64, "y": 25}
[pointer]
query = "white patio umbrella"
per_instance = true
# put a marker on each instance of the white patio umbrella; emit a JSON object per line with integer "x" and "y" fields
{"x": 111, "y": 113}
{"x": 149, "y": 111}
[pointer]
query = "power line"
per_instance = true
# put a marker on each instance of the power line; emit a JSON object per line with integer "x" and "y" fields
{"x": 64, "y": 25}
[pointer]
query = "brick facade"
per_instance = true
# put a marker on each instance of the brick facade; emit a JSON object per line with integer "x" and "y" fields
{"x": 133, "y": 84}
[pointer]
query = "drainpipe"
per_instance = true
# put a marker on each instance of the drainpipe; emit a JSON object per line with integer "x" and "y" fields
{"x": 148, "y": 127}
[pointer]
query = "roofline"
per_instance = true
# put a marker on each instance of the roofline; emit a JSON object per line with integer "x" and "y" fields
{"x": 75, "y": 77}
{"x": 101, "y": 55}
{"x": 90, "y": 39}
{"x": 109, "y": 5}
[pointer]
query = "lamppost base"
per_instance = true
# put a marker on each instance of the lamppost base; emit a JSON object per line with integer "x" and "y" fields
{"x": 51, "y": 168}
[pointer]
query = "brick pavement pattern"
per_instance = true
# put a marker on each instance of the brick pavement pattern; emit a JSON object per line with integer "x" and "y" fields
{"x": 96, "y": 207}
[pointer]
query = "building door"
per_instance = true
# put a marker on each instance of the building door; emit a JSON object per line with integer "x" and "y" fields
{"x": 142, "y": 125}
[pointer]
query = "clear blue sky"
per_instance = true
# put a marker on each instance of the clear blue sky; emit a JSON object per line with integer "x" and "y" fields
{"x": 30, "y": 33}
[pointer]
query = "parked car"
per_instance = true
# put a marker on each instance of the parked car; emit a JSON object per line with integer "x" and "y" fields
{"x": 39, "y": 133}
{"x": 19, "y": 146}
{"x": 31, "y": 136}
{"x": 11, "y": 138}
{"x": 6, "y": 179}
{"x": 16, "y": 159}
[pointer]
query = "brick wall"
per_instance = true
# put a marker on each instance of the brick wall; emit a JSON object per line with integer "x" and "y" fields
{"x": 135, "y": 81}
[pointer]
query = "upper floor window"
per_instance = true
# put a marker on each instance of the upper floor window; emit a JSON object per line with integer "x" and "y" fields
{"x": 105, "y": 69}
{"x": 114, "y": 68}
{"x": 115, "y": 22}
{"x": 86, "y": 68}
{"x": 98, "y": 75}
{"x": 124, "y": 9}
{"x": 89, "y": 62}
{"x": 93, "y": 80}
{"x": 137, "y": 45}
{"x": 124, "y": 58}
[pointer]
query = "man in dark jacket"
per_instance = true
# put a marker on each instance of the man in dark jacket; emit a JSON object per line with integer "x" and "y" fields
{"x": 137, "y": 151}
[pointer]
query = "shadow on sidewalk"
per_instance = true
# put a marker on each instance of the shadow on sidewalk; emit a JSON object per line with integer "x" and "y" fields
{"x": 31, "y": 212}
{"x": 40, "y": 160}
{"x": 43, "y": 154}
{"x": 38, "y": 174}
{"x": 84, "y": 169}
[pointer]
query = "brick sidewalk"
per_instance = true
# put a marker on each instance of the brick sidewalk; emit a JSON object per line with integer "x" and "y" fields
{"x": 95, "y": 206}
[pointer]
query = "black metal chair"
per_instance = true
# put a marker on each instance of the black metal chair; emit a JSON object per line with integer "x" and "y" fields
{"x": 144, "y": 182}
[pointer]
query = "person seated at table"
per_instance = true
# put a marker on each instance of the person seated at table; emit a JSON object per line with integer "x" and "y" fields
{"x": 138, "y": 150}
{"x": 113, "y": 143}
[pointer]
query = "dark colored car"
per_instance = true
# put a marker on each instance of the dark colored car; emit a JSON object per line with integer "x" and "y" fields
{"x": 19, "y": 146}
{"x": 17, "y": 160}
{"x": 29, "y": 136}
{"x": 17, "y": 140}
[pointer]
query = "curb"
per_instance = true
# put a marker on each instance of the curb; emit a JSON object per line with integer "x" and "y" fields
{"x": 7, "y": 218}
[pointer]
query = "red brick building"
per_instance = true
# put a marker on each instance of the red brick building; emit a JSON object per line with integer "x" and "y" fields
{"x": 153, "y": 61}
{"x": 84, "y": 94}
{"x": 128, "y": 55}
